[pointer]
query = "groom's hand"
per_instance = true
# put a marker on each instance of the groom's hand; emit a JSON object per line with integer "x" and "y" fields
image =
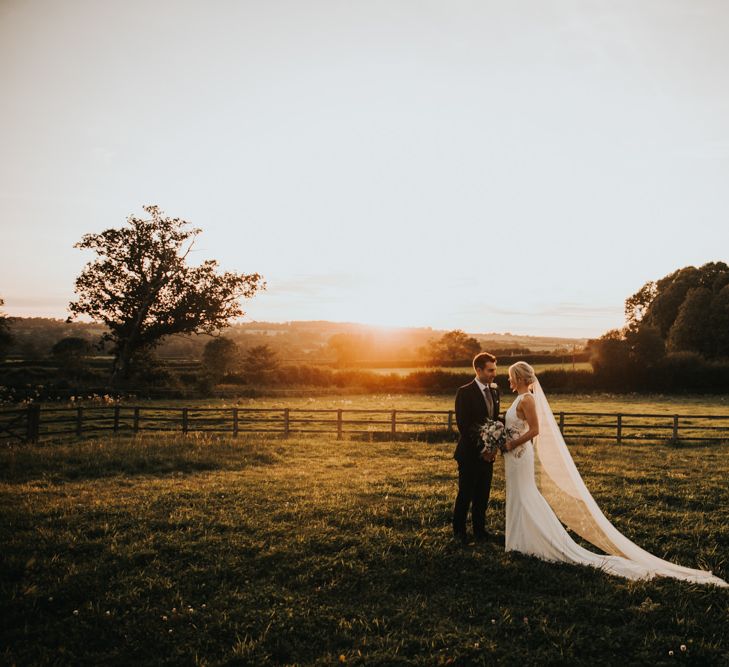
{"x": 489, "y": 458}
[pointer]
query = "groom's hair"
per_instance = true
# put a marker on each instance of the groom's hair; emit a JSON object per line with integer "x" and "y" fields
{"x": 482, "y": 358}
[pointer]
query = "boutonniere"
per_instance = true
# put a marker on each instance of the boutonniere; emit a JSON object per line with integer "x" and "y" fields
{"x": 493, "y": 385}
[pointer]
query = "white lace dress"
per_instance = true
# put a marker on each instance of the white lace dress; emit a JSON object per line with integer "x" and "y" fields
{"x": 531, "y": 525}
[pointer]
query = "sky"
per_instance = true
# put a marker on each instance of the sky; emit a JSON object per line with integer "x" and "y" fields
{"x": 493, "y": 166}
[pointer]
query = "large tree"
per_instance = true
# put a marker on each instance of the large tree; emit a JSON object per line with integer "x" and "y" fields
{"x": 259, "y": 363}
{"x": 71, "y": 353}
{"x": 453, "y": 347}
{"x": 689, "y": 309}
{"x": 142, "y": 288}
{"x": 691, "y": 329}
{"x": 220, "y": 356}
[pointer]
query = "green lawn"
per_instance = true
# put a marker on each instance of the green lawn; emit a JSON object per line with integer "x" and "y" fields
{"x": 210, "y": 551}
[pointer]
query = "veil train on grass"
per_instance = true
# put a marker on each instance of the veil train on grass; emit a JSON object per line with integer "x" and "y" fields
{"x": 561, "y": 484}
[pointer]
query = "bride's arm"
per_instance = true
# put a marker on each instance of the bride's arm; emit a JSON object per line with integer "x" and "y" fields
{"x": 529, "y": 408}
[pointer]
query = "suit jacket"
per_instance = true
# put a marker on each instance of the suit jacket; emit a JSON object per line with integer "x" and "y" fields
{"x": 471, "y": 413}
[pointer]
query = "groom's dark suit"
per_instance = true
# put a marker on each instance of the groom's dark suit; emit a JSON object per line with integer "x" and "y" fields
{"x": 473, "y": 408}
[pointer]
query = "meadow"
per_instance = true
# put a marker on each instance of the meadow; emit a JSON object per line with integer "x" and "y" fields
{"x": 208, "y": 550}
{"x": 567, "y": 366}
{"x": 332, "y": 400}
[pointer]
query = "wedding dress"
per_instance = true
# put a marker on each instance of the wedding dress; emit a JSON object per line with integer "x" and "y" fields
{"x": 545, "y": 490}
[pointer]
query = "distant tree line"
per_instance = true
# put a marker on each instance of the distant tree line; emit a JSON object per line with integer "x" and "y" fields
{"x": 675, "y": 340}
{"x": 294, "y": 342}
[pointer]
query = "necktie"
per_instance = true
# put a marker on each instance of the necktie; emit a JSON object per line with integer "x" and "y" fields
{"x": 489, "y": 400}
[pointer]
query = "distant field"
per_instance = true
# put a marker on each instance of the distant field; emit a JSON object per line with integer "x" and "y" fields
{"x": 213, "y": 551}
{"x": 581, "y": 366}
{"x": 712, "y": 404}
{"x": 665, "y": 404}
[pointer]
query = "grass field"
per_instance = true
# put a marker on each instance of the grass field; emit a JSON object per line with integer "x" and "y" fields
{"x": 567, "y": 366}
{"x": 660, "y": 403}
{"x": 211, "y": 551}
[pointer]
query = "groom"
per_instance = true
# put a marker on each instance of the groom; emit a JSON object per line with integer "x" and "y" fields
{"x": 476, "y": 402}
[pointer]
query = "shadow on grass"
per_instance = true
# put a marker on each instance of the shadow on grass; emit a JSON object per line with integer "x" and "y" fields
{"x": 439, "y": 436}
{"x": 148, "y": 455}
{"x": 232, "y": 575}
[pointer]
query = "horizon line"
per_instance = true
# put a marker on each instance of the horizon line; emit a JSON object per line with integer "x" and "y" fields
{"x": 332, "y": 322}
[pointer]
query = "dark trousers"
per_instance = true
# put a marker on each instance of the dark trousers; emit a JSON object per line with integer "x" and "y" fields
{"x": 474, "y": 487}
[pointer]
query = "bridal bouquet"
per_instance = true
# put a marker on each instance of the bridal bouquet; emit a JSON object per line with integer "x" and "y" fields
{"x": 493, "y": 435}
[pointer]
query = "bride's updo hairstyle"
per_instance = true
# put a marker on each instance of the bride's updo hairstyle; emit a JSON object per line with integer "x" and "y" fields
{"x": 521, "y": 370}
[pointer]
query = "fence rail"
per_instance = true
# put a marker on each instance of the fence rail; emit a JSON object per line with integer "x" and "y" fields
{"x": 34, "y": 423}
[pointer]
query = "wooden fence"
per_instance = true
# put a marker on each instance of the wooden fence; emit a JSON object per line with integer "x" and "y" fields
{"x": 34, "y": 423}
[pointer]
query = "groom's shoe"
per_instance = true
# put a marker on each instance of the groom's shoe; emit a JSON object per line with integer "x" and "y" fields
{"x": 460, "y": 538}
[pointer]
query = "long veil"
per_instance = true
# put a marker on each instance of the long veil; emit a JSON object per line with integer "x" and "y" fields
{"x": 561, "y": 485}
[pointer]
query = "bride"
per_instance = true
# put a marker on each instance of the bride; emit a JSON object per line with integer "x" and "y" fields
{"x": 545, "y": 490}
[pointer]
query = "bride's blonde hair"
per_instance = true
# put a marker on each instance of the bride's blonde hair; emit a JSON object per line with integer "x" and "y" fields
{"x": 521, "y": 370}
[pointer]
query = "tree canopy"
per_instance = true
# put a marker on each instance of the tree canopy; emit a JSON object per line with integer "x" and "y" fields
{"x": 70, "y": 353}
{"x": 220, "y": 356}
{"x": 142, "y": 288}
{"x": 71, "y": 347}
{"x": 453, "y": 347}
{"x": 670, "y": 322}
{"x": 259, "y": 363}
{"x": 689, "y": 309}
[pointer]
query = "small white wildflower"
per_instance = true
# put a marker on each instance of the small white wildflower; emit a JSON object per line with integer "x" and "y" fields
{"x": 108, "y": 613}
{"x": 164, "y": 618}
{"x": 683, "y": 648}
{"x": 670, "y": 653}
{"x": 493, "y": 621}
{"x": 75, "y": 612}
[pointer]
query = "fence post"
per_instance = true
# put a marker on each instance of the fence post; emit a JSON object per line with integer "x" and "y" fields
{"x": 394, "y": 422}
{"x": 561, "y": 423}
{"x": 339, "y": 424}
{"x": 675, "y": 428}
{"x": 184, "y": 420}
{"x": 33, "y": 428}
{"x": 235, "y": 421}
{"x": 620, "y": 429}
{"x": 116, "y": 418}
{"x": 136, "y": 420}
{"x": 79, "y": 421}
{"x": 450, "y": 421}
{"x": 287, "y": 423}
